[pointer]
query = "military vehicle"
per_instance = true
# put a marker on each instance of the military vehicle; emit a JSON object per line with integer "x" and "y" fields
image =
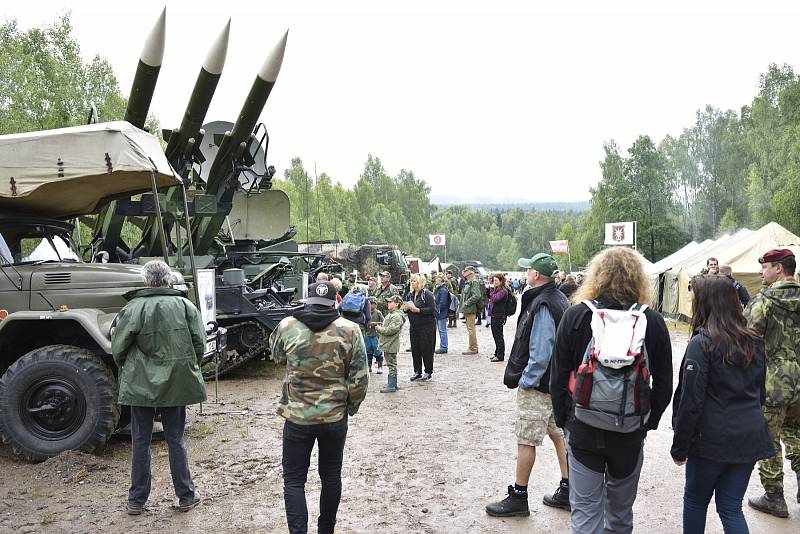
{"x": 367, "y": 259}
{"x": 58, "y": 389}
{"x": 224, "y": 167}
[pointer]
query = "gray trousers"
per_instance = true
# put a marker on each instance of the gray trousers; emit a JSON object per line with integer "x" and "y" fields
{"x": 600, "y": 503}
{"x": 173, "y": 419}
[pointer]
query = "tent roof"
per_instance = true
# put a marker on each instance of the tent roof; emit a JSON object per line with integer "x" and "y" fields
{"x": 72, "y": 171}
{"x": 666, "y": 263}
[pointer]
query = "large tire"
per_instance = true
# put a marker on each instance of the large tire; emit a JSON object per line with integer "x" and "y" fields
{"x": 57, "y": 398}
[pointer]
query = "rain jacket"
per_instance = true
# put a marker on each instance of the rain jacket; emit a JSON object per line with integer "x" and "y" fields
{"x": 158, "y": 345}
{"x": 471, "y": 296}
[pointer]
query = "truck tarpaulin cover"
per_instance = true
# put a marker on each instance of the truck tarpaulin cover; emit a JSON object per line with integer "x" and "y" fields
{"x": 72, "y": 171}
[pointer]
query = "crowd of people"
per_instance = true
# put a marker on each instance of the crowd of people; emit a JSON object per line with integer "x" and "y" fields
{"x": 591, "y": 362}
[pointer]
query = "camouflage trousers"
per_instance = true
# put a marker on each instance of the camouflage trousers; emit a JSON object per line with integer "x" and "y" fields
{"x": 391, "y": 362}
{"x": 782, "y": 411}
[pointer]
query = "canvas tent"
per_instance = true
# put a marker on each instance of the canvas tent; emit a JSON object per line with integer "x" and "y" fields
{"x": 72, "y": 171}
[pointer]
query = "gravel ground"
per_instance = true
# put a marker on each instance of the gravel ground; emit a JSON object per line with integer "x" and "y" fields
{"x": 424, "y": 460}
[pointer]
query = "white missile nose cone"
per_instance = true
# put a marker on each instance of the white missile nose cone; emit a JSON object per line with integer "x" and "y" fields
{"x": 272, "y": 66}
{"x": 215, "y": 60}
{"x": 153, "y": 51}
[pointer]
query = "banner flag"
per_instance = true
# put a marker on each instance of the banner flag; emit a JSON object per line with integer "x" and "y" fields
{"x": 560, "y": 247}
{"x": 620, "y": 233}
{"x": 436, "y": 239}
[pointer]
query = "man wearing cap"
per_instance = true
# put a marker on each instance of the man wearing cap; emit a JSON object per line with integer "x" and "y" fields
{"x": 775, "y": 314}
{"x": 528, "y": 367}
{"x": 384, "y": 291}
{"x": 326, "y": 379}
{"x": 470, "y": 299}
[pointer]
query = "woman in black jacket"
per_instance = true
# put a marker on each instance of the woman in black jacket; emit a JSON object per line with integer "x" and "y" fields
{"x": 419, "y": 308}
{"x": 720, "y": 430}
{"x": 604, "y": 465}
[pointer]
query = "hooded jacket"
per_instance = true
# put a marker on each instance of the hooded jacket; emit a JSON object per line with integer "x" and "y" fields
{"x": 326, "y": 366}
{"x": 717, "y": 406}
{"x": 158, "y": 345}
{"x": 775, "y": 314}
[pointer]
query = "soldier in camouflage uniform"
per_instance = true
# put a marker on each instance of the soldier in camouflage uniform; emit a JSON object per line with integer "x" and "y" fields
{"x": 384, "y": 291}
{"x": 775, "y": 314}
{"x": 452, "y": 315}
{"x": 326, "y": 380}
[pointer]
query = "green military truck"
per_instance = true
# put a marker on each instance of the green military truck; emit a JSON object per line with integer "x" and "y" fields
{"x": 58, "y": 386}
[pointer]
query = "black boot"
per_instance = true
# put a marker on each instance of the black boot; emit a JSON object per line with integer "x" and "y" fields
{"x": 515, "y": 505}
{"x": 770, "y": 503}
{"x": 559, "y": 499}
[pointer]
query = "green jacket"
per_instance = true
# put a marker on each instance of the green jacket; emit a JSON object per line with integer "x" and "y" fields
{"x": 326, "y": 370}
{"x": 775, "y": 314}
{"x": 389, "y": 332}
{"x": 471, "y": 296}
{"x": 158, "y": 345}
{"x": 381, "y": 294}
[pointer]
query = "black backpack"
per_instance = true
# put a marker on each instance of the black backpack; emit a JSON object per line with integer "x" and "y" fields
{"x": 511, "y": 303}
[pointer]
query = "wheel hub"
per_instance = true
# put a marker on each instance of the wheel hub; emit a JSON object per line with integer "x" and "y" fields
{"x": 53, "y": 408}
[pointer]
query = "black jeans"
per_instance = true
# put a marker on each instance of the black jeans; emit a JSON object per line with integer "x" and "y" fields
{"x": 423, "y": 342}
{"x": 173, "y": 420}
{"x": 497, "y": 334}
{"x": 298, "y": 441}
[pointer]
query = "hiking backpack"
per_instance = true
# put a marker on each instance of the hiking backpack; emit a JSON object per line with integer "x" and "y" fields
{"x": 454, "y": 302}
{"x": 611, "y": 388}
{"x": 511, "y": 303}
{"x": 352, "y": 306}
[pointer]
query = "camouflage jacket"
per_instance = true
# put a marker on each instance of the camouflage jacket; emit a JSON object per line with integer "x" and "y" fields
{"x": 326, "y": 371}
{"x": 775, "y": 314}
{"x": 381, "y": 294}
{"x": 389, "y": 332}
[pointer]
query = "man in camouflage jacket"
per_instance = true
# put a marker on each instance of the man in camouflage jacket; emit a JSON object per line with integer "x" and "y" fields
{"x": 326, "y": 380}
{"x": 383, "y": 291}
{"x": 775, "y": 314}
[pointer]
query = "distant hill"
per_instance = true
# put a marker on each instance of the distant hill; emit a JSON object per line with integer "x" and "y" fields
{"x": 508, "y": 206}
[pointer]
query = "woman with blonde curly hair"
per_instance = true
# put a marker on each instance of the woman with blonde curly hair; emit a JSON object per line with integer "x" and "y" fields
{"x": 419, "y": 308}
{"x": 604, "y": 465}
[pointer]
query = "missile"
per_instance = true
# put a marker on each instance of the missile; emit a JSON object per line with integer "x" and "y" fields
{"x": 221, "y": 182}
{"x": 183, "y": 141}
{"x": 144, "y": 82}
{"x": 248, "y": 116}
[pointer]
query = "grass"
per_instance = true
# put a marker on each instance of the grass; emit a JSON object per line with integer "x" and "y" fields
{"x": 199, "y": 431}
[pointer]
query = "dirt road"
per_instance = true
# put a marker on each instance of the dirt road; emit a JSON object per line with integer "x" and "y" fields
{"x": 424, "y": 460}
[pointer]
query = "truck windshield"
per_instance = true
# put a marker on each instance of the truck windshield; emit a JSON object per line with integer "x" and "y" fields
{"x": 33, "y": 243}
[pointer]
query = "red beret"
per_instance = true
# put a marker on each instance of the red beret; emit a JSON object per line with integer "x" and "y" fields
{"x": 776, "y": 254}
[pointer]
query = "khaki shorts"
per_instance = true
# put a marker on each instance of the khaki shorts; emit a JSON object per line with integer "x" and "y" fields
{"x": 534, "y": 417}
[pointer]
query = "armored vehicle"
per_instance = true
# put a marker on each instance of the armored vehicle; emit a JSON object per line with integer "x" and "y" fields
{"x": 58, "y": 389}
{"x": 367, "y": 259}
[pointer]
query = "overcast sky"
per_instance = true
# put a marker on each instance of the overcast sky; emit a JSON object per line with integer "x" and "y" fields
{"x": 479, "y": 99}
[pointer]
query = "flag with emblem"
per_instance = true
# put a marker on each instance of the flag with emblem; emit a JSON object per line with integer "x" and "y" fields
{"x": 436, "y": 239}
{"x": 621, "y": 233}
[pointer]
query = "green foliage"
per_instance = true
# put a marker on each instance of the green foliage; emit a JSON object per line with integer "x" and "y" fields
{"x": 44, "y": 82}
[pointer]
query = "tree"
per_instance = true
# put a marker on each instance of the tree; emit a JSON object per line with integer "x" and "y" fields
{"x": 45, "y": 84}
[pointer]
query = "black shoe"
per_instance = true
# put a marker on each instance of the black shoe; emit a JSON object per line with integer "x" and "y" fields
{"x": 770, "y": 503}
{"x": 415, "y": 376}
{"x": 496, "y": 359}
{"x": 425, "y": 377}
{"x": 559, "y": 499}
{"x": 185, "y": 507}
{"x": 440, "y": 351}
{"x": 515, "y": 505}
{"x": 134, "y": 509}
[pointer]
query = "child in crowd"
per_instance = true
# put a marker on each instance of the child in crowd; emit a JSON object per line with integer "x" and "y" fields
{"x": 371, "y": 336}
{"x": 389, "y": 333}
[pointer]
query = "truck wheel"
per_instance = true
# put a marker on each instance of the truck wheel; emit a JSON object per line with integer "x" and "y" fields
{"x": 57, "y": 398}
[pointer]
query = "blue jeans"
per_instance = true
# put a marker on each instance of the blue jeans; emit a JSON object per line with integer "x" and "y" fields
{"x": 442, "y": 326}
{"x": 371, "y": 345}
{"x": 173, "y": 419}
{"x": 727, "y": 482}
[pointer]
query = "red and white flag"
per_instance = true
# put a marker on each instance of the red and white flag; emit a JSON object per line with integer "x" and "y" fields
{"x": 436, "y": 239}
{"x": 560, "y": 247}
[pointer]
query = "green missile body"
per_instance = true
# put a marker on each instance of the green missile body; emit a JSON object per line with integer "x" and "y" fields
{"x": 144, "y": 82}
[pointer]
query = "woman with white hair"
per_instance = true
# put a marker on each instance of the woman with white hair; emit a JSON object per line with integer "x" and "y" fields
{"x": 419, "y": 307}
{"x": 158, "y": 345}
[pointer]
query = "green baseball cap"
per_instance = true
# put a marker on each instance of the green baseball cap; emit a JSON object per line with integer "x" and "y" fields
{"x": 542, "y": 263}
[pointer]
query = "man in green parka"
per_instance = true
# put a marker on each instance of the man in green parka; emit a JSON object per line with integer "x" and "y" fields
{"x": 158, "y": 344}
